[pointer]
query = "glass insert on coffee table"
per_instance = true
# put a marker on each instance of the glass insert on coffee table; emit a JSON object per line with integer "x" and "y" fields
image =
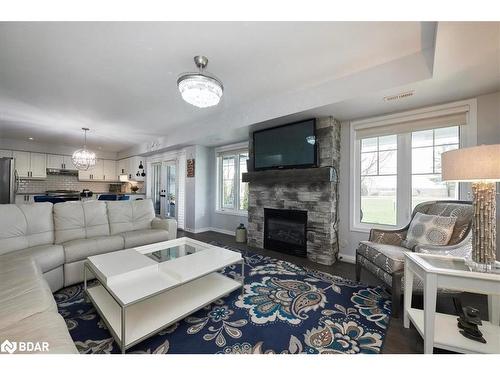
{"x": 142, "y": 290}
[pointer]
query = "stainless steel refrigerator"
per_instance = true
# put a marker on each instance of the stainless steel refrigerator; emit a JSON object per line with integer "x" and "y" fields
{"x": 8, "y": 181}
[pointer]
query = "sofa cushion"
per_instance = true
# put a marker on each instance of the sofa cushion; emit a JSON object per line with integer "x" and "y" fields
{"x": 126, "y": 216}
{"x": 47, "y": 257}
{"x": 25, "y": 225}
{"x": 389, "y": 258}
{"x": 81, "y": 249}
{"x": 47, "y": 327}
{"x": 13, "y": 285}
{"x": 24, "y": 265}
{"x": 144, "y": 237}
{"x": 18, "y": 303}
{"x": 77, "y": 220}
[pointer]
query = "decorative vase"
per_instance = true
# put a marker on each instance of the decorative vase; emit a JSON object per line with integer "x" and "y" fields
{"x": 241, "y": 234}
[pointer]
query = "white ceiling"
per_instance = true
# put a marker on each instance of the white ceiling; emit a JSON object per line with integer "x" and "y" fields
{"x": 119, "y": 78}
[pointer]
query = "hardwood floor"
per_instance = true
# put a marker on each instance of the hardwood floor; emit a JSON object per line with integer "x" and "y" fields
{"x": 398, "y": 339}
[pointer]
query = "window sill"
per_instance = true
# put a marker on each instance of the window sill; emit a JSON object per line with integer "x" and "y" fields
{"x": 366, "y": 228}
{"x": 232, "y": 212}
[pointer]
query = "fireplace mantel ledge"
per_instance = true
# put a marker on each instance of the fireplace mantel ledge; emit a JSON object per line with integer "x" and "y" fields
{"x": 320, "y": 174}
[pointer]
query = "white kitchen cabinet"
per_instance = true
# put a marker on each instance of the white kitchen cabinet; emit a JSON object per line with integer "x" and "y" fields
{"x": 5, "y": 154}
{"x": 22, "y": 163}
{"x": 87, "y": 175}
{"x": 38, "y": 164}
{"x": 98, "y": 170}
{"x": 96, "y": 173}
{"x": 24, "y": 199}
{"x": 68, "y": 163}
{"x": 30, "y": 164}
{"x": 60, "y": 162}
{"x": 122, "y": 167}
{"x": 109, "y": 170}
{"x": 55, "y": 161}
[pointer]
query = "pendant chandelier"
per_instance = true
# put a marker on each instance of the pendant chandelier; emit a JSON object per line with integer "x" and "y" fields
{"x": 83, "y": 159}
{"x": 201, "y": 88}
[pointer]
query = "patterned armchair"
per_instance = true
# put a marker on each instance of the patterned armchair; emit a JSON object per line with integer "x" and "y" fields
{"x": 383, "y": 253}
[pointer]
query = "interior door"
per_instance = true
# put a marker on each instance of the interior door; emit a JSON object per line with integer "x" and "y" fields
{"x": 169, "y": 189}
{"x": 156, "y": 188}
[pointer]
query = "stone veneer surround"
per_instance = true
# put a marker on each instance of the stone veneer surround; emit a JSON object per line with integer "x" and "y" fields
{"x": 319, "y": 199}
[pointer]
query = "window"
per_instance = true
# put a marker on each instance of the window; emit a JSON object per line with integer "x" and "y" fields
{"x": 379, "y": 179}
{"x": 396, "y": 162}
{"x": 232, "y": 192}
{"x": 426, "y": 149}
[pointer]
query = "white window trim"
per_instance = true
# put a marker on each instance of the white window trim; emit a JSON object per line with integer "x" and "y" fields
{"x": 468, "y": 138}
{"x": 233, "y": 149}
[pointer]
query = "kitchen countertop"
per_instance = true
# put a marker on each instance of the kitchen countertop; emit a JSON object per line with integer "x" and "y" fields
{"x": 94, "y": 192}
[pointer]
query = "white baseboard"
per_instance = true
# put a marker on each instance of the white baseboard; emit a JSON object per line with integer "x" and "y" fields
{"x": 347, "y": 258}
{"x": 223, "y": 231}
{"x": 195, "y": 231}
{"x": 209, "y": 229}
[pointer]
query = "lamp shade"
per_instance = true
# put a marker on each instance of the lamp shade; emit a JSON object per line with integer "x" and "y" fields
{"x": 479, "y": 163}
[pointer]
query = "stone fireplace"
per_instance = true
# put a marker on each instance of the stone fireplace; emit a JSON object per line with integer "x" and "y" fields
{"x": 312, "y": 191}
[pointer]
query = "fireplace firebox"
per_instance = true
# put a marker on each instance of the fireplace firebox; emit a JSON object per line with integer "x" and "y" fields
{"x": 285, "y": 231}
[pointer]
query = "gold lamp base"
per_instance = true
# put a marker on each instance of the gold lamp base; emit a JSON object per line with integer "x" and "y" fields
{"x": 484, "y": 226}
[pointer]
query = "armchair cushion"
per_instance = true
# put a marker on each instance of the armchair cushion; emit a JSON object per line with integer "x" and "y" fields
{"x": 429, "y": 230}
{"x": 389, "y": 258}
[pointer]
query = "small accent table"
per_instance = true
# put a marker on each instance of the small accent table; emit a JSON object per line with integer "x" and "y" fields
{"x": 440, "y": 330}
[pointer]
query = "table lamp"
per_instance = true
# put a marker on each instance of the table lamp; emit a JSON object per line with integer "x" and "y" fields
{"x": 481, "y": 166}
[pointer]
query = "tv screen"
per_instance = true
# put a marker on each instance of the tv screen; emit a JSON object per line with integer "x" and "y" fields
{"x": 287, "y": 146}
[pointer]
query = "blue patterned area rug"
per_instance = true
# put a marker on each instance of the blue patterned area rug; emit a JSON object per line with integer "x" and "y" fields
{"x": 285, "y": 309}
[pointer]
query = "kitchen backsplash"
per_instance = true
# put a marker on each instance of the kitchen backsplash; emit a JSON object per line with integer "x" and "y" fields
{"x": 60, "y": 182}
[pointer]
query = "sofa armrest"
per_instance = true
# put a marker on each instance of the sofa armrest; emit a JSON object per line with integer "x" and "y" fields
{"x": 462, "y": 249}
{"x": 388, "y": 237}
{"x": 170, "y": 225}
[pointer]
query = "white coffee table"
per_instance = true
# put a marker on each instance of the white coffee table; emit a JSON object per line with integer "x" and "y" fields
{"x": 440, "y": 330}
{"x": 141, "y": 291}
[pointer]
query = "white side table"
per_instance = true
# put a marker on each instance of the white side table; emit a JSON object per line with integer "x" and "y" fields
{"x": 440, "y": 330}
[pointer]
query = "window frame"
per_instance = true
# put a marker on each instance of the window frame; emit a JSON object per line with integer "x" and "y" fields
{"x": 236, "y": 151}
{"x": 467, "y": 138}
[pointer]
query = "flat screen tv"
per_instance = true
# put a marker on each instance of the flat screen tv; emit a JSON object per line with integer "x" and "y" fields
{"x": 286, "y": 146}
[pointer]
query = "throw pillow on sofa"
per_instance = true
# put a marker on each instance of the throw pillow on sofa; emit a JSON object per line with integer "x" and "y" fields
{"x": 429, "y": 230}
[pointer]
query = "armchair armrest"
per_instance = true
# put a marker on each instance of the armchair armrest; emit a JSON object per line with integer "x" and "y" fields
{"x": 388, "y": 237}
{"x": 462, "y": 249}
{"x": 170, "y": 225}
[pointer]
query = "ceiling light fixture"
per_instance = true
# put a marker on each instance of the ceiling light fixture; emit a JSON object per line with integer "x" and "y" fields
{"x": 200, "y": 89}
{"x": 83, "y": 159}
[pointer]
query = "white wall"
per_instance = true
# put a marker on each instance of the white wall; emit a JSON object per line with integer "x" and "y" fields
{"x": 197, "y": 209}
{"x": 202, "y": 187}
{"x": 488, "y": 132}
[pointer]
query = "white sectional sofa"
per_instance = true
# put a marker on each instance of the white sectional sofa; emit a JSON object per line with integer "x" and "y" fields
{"x": 43, "y": 248}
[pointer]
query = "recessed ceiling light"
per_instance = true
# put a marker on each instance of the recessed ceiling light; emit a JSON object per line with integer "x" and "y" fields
{"x": 30, "y": 138}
